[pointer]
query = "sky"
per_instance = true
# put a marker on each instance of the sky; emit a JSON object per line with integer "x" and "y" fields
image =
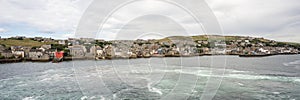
{"x": 273, "y": 19}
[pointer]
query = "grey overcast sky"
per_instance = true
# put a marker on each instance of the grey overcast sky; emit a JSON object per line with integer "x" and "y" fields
{"x": 273, "y": 19}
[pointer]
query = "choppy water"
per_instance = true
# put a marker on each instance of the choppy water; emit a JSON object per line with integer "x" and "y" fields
{"x": 216, "y": 77}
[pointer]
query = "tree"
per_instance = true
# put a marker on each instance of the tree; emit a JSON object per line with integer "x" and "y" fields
{"x": 1, "y": 57}
{"x": 59, "y": 47}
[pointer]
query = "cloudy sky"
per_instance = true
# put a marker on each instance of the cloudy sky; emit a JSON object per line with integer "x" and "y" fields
{"x": 273, "y": 19}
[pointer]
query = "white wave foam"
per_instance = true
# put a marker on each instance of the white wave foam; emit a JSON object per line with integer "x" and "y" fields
{"x": 293, "y": 63}
{"x": 235, "y": 74}
{"x": 114, "y": 96}
{"x": 84, "y": 98}
{"x": 45, "y": 79}
{"x": 276, "y": 93}
{"x": 297, "y": 80}
{"x": 29, "y": 98}
{"x": 241, "y": 84}
{"x": 153, "y": 89}
{"x": 102, "y": 98}
{"x": 91, "y": 98}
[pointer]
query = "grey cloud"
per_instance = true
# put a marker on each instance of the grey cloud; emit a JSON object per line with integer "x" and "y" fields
{"x": 260, "y": 17}
{"x": 276, "y": 19}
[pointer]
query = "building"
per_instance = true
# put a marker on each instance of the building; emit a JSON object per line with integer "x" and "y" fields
{"x": 47, "y": 40}
{"x": 38, "y": 38}
{"x": 50, "y": 52}
{"x": 46, "y": 46}
{"x": 2, "y": 48}
{"x": 62, "y": 42}
{"x": 77, "y": 50}
{"x": 15, "y": 48}
{"x": 35, "y": 54}
{"x": 26, "y": 51}
{"x": 19, "y": 37}
{"x": 18, "y": 53}
{"x": 7, "y": 53}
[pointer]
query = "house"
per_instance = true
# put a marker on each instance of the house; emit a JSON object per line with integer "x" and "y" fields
{"x": 46, "y": 47}
{"x": 87, "y": 40}
{"x": 118, "y": 51}
{"x": 99, "y": 52}
{"x": 50, "y": 52}
{"x": 18, "y": 53}
{"x": 62, "y": 42}
{"x": 35, "y": 54}
{"x": 15, "y": 48}
{"x": 38, "y": 38}
{"x": 47, "y": 40}
{"x": 26, "y": 51}
{"x": 206, "y": 50}
{"x": 160, "y": 51}
{"x": 2, "y": 48}
{"x": 109, "y": 50}
{"x": 247, "y": 41}
{"x": 73, "y": 41}
{"x": 91, "y": 51}
{"x": 77, "y": 50}
{"x": 205, "y": 42}
{"x": 7, "y": 53}
{"x": 19, "y": 37}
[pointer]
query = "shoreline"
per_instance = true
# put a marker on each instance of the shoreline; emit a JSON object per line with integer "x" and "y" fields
{"x": 68, "y": 59}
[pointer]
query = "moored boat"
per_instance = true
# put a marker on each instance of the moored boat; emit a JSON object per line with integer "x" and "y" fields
{"x": 58, "y": 57}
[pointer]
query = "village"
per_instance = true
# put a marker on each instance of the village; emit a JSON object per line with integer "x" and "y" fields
{"x": 97, "y": 49}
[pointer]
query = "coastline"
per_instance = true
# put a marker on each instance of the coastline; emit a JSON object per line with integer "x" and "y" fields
{"x": 67, "y": 59}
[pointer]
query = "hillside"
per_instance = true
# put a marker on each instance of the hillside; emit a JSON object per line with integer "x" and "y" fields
{"x": 31, "y": 43}
{"x": 25, "y": 42}
{"x": 228, "y": 39}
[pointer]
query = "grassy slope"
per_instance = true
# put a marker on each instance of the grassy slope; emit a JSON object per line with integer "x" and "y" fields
{"x": 227, "y": 38}
{"x": 26, "y": 42}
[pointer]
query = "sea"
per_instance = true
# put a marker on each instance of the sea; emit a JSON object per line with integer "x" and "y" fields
{"x": 172, "y": 78}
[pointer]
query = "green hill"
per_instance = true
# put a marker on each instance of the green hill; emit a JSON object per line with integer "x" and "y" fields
{"x": 25, "y": 42}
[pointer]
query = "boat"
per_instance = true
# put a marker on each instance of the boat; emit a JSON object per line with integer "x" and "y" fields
{"x": 58, "y": 57}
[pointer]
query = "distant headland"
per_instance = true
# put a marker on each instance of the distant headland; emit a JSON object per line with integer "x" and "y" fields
{"x": 20, "y": 48}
